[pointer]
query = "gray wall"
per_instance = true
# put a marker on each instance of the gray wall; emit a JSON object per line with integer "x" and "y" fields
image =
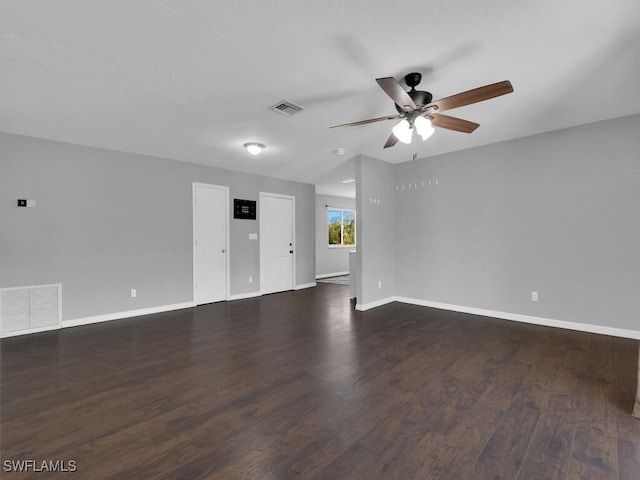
{"x": 375, "y": 207}
{"x": 556, "y": 213}
{"x": 108, "y": 221}
{"x": 330, "y": 260}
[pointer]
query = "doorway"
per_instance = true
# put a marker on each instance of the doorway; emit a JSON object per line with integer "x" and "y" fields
{"x": 277, "y": 242}
{"x": 210, "y": 243}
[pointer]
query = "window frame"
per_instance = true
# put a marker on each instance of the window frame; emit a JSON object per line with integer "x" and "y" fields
{"x": 342, "y": 215}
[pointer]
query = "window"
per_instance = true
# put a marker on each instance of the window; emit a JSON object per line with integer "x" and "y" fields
{"x": 342, "y": 227}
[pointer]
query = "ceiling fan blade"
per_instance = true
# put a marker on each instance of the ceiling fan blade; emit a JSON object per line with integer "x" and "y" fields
{"x": 452, "y": 123}
{"x": 473, "y": 96}
{"x": 364, "y": 122}
{"x": 391, "y": 141}
{"x": 398, "y": 94}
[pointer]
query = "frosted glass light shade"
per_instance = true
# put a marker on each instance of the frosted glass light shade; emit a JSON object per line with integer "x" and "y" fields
{"x": 423, "y": 127}
{"x": 403, "y": 131}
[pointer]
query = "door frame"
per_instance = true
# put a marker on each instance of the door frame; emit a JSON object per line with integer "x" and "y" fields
{"x": 194, "y": 186}
{"x": 262, "y": 229}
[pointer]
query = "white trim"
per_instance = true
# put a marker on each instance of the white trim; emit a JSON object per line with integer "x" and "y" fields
{"x": 194, "y": 185}
{"x": 293, "y": 234}
{"x": 518, "y": 317}
{"x": 131, "y": 313}
{"x": 329, "y": 275}
{"x": 377, "y": 303}
{"x": 30, "y": 331}
{"x": 242, "y": 296}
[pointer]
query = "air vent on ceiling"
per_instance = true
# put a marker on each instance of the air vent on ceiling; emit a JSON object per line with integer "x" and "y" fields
{"x": 286, "y": 108}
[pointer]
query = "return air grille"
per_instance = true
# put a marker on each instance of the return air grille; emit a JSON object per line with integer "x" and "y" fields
{"x": 29, "y": 309}
{"x": 286, "y": 108}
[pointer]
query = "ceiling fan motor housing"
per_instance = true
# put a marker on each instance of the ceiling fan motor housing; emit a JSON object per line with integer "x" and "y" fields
{"x": 419, "y": 97}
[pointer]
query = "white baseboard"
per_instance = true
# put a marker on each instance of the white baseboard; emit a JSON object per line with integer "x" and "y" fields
{"x": 29, "y": 331}
{"x": 242, "y": 296}
{"x": 328, "y": 275}
{"x": 378, "y": 303}
{"x": 119, "y": 315}
{"x": 518, "y": 317}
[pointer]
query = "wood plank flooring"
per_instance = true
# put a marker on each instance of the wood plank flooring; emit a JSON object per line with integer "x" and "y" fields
{"x": 298, "y": 385}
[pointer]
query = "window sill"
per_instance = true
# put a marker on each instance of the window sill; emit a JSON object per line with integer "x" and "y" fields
{"x": 341, "y": 246}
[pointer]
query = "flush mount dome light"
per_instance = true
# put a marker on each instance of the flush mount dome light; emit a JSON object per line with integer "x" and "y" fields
{"x": 254, "y": 148}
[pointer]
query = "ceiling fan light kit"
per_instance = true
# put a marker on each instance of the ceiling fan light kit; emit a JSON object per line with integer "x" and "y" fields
{"x": 403, "y": 131}
{"x": 423, "y": 127}
{"x": 416, "y": 109}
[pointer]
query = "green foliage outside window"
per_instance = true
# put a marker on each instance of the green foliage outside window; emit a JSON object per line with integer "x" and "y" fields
{"x": 342, "y": 227}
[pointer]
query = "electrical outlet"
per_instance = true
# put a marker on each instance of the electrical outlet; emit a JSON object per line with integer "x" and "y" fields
{"x": 134, "y": 293}
{"x": 379, "y": 283}
{"x": 250, "y": 279}
{"x": 534, "y": 296}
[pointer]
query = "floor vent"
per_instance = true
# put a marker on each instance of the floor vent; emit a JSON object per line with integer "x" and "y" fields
{"x": 29, "y": 309}
{"x": 286, "y": 108}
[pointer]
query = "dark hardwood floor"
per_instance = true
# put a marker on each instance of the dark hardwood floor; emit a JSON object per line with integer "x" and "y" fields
{"x": 299, "y": 385}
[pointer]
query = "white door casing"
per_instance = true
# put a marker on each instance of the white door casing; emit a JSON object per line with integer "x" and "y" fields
{"x": 277, "y": 242}
{"x": 210, "y": 243}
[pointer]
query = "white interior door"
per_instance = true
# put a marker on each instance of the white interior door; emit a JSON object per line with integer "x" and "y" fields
{"x": 277, "y": 246}
{"x": 210, "y": 243}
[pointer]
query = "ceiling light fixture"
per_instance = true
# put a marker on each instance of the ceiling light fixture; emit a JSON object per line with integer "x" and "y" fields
{"x": 348, "y": 180}
{"x": 254, "y": 148}
{"x": 403, "y": 131}
{"x": 423, "y": 127}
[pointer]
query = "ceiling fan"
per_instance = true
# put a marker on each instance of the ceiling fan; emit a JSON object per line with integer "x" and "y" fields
{"x": 416, "y": 108}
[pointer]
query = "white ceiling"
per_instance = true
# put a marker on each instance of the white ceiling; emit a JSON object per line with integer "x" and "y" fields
{"x": 193, "y": 79}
